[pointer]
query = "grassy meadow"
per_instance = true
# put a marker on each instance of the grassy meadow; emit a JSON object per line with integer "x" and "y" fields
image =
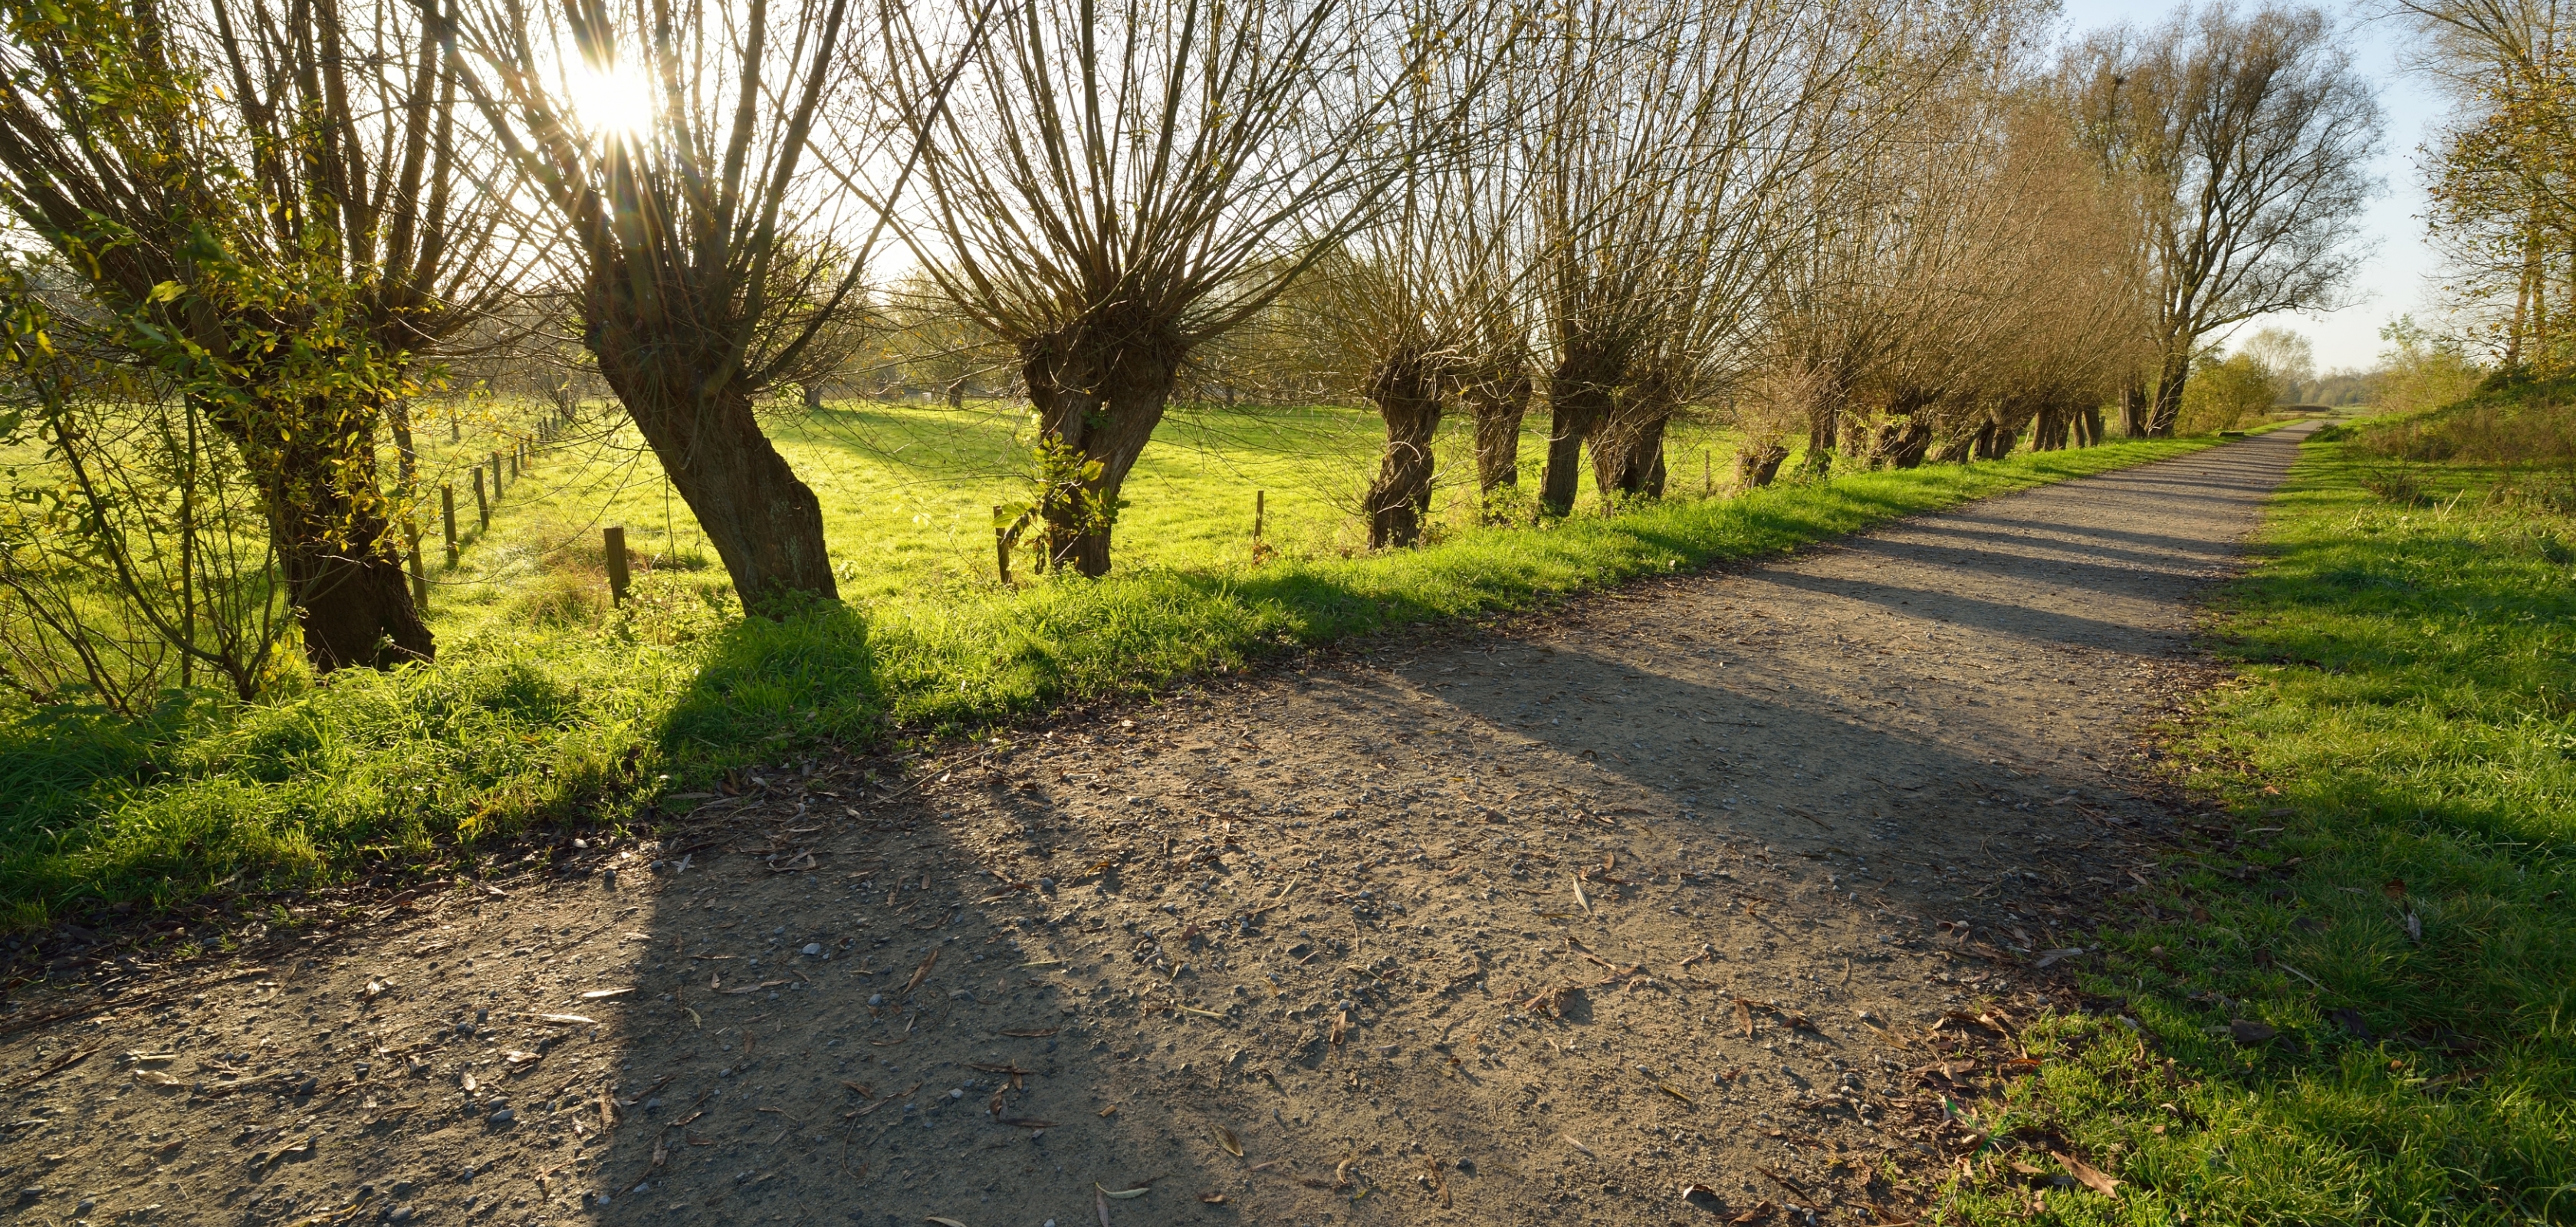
{"x": 908, "y": 491}
{"x": 2362, "y": 1007}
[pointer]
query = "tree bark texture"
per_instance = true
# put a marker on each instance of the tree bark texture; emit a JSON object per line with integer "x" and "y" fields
{"x": 1901, "y": 442}
{"x": 2166, "y": 408}
{"x": 1824, "y": 430}
{"x": 1759, "y": 466}
{"x": 764, "y": 521}
{"x": 334, "y": 543}
{"x": 1498, "y": 399}
{"x": 1579, "y": 397}
{"x": 2133, "y": 410}
{"x": 1406, "y": 390}
{"x": 2050, "y": 428}
{"x": 1100, "y": 389}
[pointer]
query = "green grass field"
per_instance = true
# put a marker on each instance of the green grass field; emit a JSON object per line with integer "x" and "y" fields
{"x": 2401, "y": 750}
{"x": 908, "y": 492}
{"x": 547, "y": 706}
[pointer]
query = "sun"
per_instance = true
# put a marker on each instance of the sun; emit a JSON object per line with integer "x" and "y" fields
{"x": 612, "y": 101}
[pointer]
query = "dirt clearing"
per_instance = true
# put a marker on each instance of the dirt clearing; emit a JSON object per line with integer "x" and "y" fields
{"x": 1723, "y": 885}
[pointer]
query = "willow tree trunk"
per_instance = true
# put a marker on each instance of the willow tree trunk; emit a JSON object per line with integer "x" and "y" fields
{"x": 1628, "y": 454}
{"x": 1406, "y": 391}
{"x": 764, "y": 522}
{"x": 1759, "y": 466}
{"x": 1498, "y": 400}
{"x": 1902, "y": 442}
{"x": 1578, "y": 398}
{"x": 2049, "y": 429}
{"x": 2133, "y": 410}
{"x": 335, "y": 547}
{"x": 1824, "y": 430}
{"x": 2167, "y": 406}
{"x": 1099, "y": 391}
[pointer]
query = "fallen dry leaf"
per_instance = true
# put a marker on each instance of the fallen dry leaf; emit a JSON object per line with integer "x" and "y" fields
{"x": 1226, "y": 1140}
{"x": 1756, "y": 1214}
{"x": 2093, "y": 1177}
{"x": 2247, "y": 1031}
{"x": 1125, "y": 1194}
{"x": 922, "y": 972}
{"x": 568, "y": 1020}
{"x": 943, "y": 1222}
{"x": 154, "y": 1077}
{"x": 603, "y": 994}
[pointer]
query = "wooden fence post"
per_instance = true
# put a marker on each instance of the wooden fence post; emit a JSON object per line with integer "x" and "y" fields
{"x": 419, "y": 573}
{"x": 1001, "y": 547}
{"x": 496, "y": 477}
{"x": 1258, "y": 498}
{"x": 447, "y": 513}
{"x": 614, "y": 538}
{"x": 482, "y": 505}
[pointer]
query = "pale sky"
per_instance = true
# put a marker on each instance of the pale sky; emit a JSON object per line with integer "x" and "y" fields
{"x": 2399, "y": 274}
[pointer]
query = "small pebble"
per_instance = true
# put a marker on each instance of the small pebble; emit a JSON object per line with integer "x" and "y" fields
{"x": 504, "y": 1116}
{"x": 813, "y": 948}
{"x": 876, "y": 999}
{"x": 399, "y": 1214}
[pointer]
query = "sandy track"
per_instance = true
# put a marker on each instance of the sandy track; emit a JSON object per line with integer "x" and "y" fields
{"x": 1458, "y": 933}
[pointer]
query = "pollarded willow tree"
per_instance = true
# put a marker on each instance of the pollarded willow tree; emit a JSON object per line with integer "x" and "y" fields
{"x": 668, "y": 147}
{"x": 1110, "y": 187}
{"x": 1424, "y": 304}
{"x": 270, "y": 203}
{"x": 1966, "y": 280}
{"x": 1874, "y": 310}
{"x": 1663, "y": 163}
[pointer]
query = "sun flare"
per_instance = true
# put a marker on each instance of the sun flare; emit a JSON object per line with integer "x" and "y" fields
{"x": 615, "y": 101}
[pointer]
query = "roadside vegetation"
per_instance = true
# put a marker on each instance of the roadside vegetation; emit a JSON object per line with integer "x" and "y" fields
{"x": 597, "y": 715}
{"x": 2357, "y": 1003}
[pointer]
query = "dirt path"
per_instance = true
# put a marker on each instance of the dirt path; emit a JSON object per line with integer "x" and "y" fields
{"x": 1684, "y": 886}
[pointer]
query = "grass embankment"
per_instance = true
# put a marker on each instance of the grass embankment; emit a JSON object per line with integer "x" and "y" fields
{"x": 593, "y": 720}
{"x": 2394, "y": 913}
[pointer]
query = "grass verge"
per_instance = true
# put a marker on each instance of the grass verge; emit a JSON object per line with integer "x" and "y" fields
{"x": 2360, "y": 1007}
{"x": 593, "y": 721}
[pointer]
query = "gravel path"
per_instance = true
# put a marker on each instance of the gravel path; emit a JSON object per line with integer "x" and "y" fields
{"x": 1724, "y": 880}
